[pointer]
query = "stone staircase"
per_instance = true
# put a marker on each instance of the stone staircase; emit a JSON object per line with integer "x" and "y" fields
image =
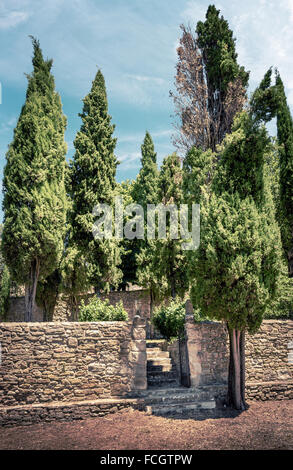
{"x": 165, "y": 396}
{"x": 161, "y": 371}
{"x": 182, "y": 401}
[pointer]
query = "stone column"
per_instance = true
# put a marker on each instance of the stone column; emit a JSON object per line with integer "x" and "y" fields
{"x": 193, "y": 339}
{"x": 138, "y": 358}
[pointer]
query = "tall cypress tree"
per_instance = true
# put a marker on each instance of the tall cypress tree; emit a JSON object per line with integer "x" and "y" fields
{"x": 146, "y": 185}
{"x": 34, "y": 190}
{"x": 285, "y": 140}
{"x": 217, "y": 44}
{"x": 128, "y": 247}
{"x": 161, "y": 262}
{"x": 93, "y": 173}
{"x": 145, "y": 191}
{"x": 267, "y": 102}
{"x": 235, "y": 271}
{"x": 142, "y": 191}
{"x": 211, "y": 85}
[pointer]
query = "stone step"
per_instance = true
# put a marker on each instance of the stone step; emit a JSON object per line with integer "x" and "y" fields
{"x": 159, "y": 360}
{"x": 177, "y": 398}
{"x": 162, "y": 382}
{"x": 178, "y": 394}
{"x": 157, "y": 350}
{"x": 159, "y": 343}
{"x": 159, "y": 368}
{"x": 164, "y": 391}
{"x": 151, "y": 354}
{"x": 158, "y": 355}
{"x": 161, "y": 374}
{"x": 180, "y": 408}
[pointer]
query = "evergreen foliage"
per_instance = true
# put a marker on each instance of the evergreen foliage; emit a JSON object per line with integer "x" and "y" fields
{"x": 145, "y": 191}
{"x": 35, "y": 201}
{"x": 217, "y": 44}
{"x": 4, "y": 292}
{"x": 198, "y": 170}
{"x": 129, "y": 248}
{"x": 235, "y": 271}
{"x": 146, "y": 185}
{"x": 162, "y": 262}
{"x": 285, "y": 140}
{"x": 211, "y": 85}
{"x": 267, "y": 102}
{"x": 169, "y": 319}
{"x": 93, "y": 181}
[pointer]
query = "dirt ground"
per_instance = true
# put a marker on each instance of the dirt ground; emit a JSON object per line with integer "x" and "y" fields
{"x": 265, "y": 425}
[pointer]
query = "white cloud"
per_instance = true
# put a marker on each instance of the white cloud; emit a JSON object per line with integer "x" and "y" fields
{"x": 129, "y": 160}
{"x": 141, "y": 78}
{"x": 8, "y": 125}
{"x": 140, "y": 136}
{"x": 194, "y": 11}
{"x": 12, "y": 19}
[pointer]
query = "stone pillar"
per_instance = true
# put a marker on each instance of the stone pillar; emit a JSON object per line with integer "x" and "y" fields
{"x": 138, "y": 358}
{"x": 193, "y": 340}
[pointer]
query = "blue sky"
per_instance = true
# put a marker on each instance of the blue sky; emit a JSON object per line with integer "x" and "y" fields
{"x": 134, "y": 43}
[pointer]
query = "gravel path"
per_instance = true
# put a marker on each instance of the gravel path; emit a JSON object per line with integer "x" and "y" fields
{"x": 265, "y": 425}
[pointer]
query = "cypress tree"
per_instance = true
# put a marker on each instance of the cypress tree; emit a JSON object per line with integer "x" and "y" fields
{"x": 162, "y": 261}
{"x": 145, "y": 191}
{"x": 146, "y": 185}
{"x": 217, "y": 44}
{"x": 267, "y": 102}
{"x": 198, "y": 169}
{"x": 34, "y": 191}
{"x": 235, "y": 271}
{"x": 285, "y": 140}
{"x": 129, "y": 248}
{"x": 93, "y": 171}
{"x": 211, "y": 85}
{"x": 142, "y": 191}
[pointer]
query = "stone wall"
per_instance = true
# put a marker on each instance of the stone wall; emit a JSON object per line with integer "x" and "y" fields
{"x": 207, "y": 351}
{"x": 16, "y": 310}
{"x": 133, "y": 301}
{"x": 65, "y": 362}
{"x": 269, "y": 362}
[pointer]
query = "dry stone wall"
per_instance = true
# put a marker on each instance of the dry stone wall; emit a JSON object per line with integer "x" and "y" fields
{"x": 50, "y": 362}
{"x": 133, "y": 301}
{"x": 269, "y": 361}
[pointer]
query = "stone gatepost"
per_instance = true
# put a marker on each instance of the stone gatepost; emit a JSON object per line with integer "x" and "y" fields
{"x": 193, "y": 345}
{"x": 138, "y": 357}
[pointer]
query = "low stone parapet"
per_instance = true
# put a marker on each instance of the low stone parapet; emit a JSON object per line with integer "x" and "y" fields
{"x": 46, "y": 412}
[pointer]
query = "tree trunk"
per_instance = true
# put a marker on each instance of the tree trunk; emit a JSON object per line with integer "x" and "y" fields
{"x": 242, "y": 367}
{"x": 236, "y": 378}
{"x": 31, "y": 289}
{"x": 74, "y": 307}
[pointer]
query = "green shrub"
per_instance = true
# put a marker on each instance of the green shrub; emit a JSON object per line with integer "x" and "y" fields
{"x": 169, "y": 319}
{"x": 99, "y": 310}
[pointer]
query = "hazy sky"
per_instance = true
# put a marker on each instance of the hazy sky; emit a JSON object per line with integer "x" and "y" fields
{"x": 134, "y": 43}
